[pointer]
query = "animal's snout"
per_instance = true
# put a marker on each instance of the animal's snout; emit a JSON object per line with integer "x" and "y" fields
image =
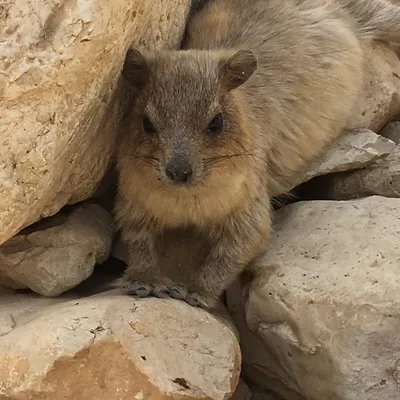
{"x": 179, "y": 171}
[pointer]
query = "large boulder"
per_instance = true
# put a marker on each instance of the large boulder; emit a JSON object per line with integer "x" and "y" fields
{"x": 60, "y": 101}
{"x": 114, "y": 347}
{"x": 322, "y": 318}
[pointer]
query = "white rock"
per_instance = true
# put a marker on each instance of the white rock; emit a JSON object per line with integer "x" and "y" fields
{"x": 60, "y": 253}
{"x": 323, "y": 317}
{"x": 381, "y": 178}
{"x": 59, "y": 105}
{"x": 115, "y": 347}
{"x": 353, "y": 150}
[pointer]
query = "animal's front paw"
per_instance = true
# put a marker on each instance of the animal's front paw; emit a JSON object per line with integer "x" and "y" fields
{"x": 142, "y": 288}
{"x": 181, "y": 292}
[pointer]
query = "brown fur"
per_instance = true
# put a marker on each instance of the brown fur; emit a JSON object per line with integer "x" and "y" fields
{"x": 281, "y": 107}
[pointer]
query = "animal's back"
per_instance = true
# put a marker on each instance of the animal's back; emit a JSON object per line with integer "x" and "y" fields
{"x": 307, "y": 79}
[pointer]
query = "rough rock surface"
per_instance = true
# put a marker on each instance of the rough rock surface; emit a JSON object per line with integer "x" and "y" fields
{"x": 114, "y": 347}
{"x": 382, "y": 177}
{"x": 323, "y": 316}
{"x": 59, "y": 98}
{"x": 353, "y": 150}
{"x": 58, "y": 253}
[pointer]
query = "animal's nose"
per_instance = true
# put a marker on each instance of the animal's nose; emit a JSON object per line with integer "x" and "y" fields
{"x": 179, "y": 171}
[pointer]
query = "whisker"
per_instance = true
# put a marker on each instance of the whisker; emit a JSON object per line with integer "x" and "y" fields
{"x": 211, "y": 161}
{"x": 153, "y": 161}
{"x": 197, "y": 200}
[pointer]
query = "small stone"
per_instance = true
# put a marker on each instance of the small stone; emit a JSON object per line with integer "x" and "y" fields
{"x": 58, "y": 253}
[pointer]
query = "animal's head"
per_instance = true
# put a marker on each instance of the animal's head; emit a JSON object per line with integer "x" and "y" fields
{"x": 185, "y": 122}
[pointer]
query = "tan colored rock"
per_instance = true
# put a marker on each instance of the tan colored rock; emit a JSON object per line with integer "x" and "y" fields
{"x": 351, "y": 151}
{"x": 60, "y": 101}
{"x": 116, "y": 347}
{"x": 60, "y": 252}
{"x": 379, "y": 101}
{"x": 323, "y": 317}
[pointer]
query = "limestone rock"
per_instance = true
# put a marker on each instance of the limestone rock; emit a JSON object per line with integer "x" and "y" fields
{"x": 379, "y": 101}
{"x": 60, "y": 95}
{"x": 382, "y": 177}
{"x": 322, "y": 317}
{"x": 58, "y": 253}
{"x": 353, "y": 150}
{"x": 115, "y": 347}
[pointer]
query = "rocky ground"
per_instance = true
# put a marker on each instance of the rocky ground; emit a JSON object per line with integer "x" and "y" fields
{"x": 319, "y": 318}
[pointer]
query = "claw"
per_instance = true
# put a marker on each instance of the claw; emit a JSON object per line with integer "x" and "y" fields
{"x": 142, "y": 291}
{"x": 177, "y": 292}
{"x": 163, "y": 289}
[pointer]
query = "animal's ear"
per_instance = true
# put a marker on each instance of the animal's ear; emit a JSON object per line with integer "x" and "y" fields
{"x": 237, "y": 69}
{"x": 136, "y": 69}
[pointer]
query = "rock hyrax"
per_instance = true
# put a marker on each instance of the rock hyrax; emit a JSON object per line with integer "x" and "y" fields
{"x": 219, "y": 127}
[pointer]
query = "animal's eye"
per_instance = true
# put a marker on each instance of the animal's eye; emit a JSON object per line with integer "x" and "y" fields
{"x": 216, "y": 126}
{"x": 148, "y": 126}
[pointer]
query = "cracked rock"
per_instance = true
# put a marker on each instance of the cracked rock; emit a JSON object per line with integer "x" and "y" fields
{"x": 382, "y": 177}
{"x": 115, "y": 347}
{"x": 353, "y": 150}
{"x": 58, "y": 253}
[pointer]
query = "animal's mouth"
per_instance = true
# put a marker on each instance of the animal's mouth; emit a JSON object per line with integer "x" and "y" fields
{"x": 185, "y": 184}
{"x": 185, "y": 181}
